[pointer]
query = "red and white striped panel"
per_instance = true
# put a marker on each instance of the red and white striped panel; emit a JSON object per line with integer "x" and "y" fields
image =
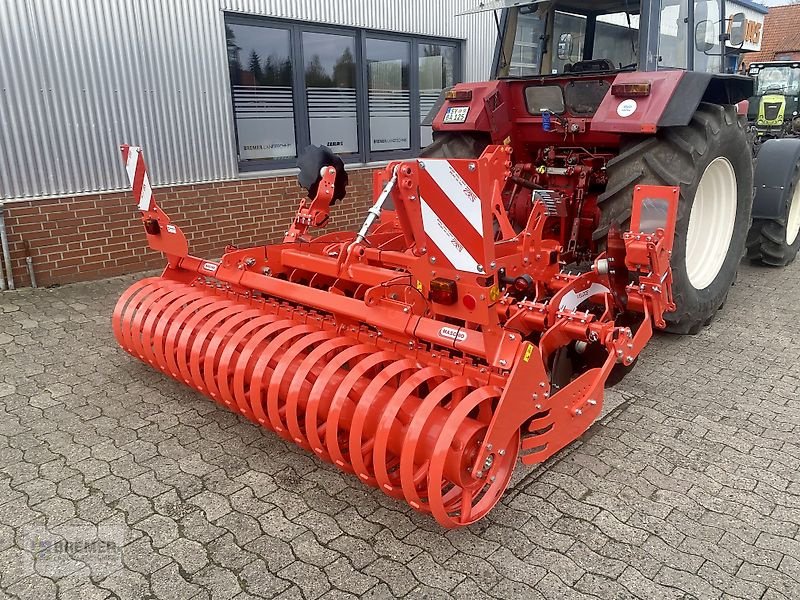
{"x": 452, "y": 212}
{"x": 137, "y": 174}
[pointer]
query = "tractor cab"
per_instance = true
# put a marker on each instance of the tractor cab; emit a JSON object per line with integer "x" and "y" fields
{"x": 774, "y": 111}
{"x": 574, "y": 36}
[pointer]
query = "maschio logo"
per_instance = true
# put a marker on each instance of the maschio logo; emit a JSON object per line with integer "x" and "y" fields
{"x": 451, "y": 333}
{"x": 210, "y": 267}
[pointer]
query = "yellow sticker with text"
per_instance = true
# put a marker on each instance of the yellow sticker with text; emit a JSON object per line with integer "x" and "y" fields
{"x": 494, "y": 294}
{"x": 528, "y": 353}
{"x": 420, "y": 286}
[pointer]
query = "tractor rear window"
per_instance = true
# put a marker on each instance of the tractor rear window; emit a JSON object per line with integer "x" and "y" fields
{"x": 548, "y": 98}
{"x": 584, "y": 97}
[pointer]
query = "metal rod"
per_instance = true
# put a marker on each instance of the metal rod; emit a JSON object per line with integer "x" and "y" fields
{"x": 29, "y": 262}
{"x": 6, "y": 249}
{"x": 375, "y": 211}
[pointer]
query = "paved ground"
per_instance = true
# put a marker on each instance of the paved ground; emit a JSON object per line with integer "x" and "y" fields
{"x": 689, "y": 489}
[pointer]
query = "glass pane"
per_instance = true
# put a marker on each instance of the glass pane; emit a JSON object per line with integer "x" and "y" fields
{"x": 330, "y": 74}
{"x": 260, "y": 67}
{"x": 437, "y": 70}
{"x": 389, "y": 95}
{"x": 527, "y": 45}
{"x": 672, "y": 40}
{"x": 616, "y": 39}
{"x": 707, "y": 20}
{"x": 575, "y": 25}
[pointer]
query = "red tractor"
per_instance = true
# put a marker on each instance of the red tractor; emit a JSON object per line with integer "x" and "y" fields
{"x": 500, "y": 281}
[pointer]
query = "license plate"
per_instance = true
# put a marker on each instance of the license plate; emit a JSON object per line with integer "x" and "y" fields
{"x": 456, "y": 114}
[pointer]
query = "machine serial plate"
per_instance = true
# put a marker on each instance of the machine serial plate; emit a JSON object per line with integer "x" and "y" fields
{"x": 456, "y": 114}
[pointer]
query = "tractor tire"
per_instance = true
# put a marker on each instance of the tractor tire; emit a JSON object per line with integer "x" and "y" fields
{"x": 774, "y": 238}
{"x": 456, "y": 145}
{"x": 712, "y": 163}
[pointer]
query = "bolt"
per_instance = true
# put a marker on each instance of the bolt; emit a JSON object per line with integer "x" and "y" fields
{"x": 492, "y": 264}
{"x": 578, "y": 412}
{"x": 249, "y": 262}
{"x": 502, "y": 452}
{"x": 406, "y": 309}
{"x": 592, "y": 402}
{"x": 471, "y": 166}
{"x": 536, "y": 396}
{"x": 512, "y": 337}
{"x": 433, "y": 260}
{"x": 479, "y": 268}
{"x": 538, "y": 407}
{"x": 492, "y": 478}
{"x": 479, "y": 474}
{"x": 541, "y": 384}
{"x": 488, "y": 462}
{"x": 628, "y": 360}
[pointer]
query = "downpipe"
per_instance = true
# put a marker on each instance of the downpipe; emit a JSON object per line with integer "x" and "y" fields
{"x": 6, "y": 253}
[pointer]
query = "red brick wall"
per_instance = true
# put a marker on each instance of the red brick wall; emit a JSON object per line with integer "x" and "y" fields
{"x": 95, "y": 236}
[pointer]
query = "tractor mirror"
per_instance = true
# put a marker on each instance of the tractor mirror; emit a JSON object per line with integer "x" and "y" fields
{"x": 701, "y": 36}
{"x": 565, "y": 46}
{"x": 737, "y": 29}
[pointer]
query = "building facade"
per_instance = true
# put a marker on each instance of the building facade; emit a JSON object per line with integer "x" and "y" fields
{"x": 781, "y": 35}
{"x": 221, "y": 94}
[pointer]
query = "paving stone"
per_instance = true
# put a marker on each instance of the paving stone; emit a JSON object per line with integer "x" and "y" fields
{"x": 688, "y": 490}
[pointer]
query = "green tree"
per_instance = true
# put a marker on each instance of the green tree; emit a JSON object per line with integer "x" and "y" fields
{"x": 254, "y": 66}
{"x": 344, "y": 71}
{"x": 316, "y": 75}
{"x": 234, "y": 63}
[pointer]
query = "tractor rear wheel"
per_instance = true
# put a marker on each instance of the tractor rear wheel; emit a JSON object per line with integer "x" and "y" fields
{"x": 456, "y": 145}
{"x": 775, "y": 241}
{"x": 711, "y": 162}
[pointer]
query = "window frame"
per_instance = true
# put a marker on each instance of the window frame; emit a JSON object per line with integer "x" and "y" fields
{"x": 365, "y": 154}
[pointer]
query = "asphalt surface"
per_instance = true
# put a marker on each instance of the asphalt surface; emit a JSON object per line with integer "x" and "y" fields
{"x": 116, "y": 481}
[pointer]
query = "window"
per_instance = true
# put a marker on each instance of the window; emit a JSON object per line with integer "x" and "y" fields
{"x": 527, "y": 53}
{"x": 355, "y": 91}
{"x": 261, "y": 86}
{"x": 708, "y": 24}
{"x": 330, "y": 79}
{"x": 437, "y": 70}
{"x": 575, "y": 26}
{"x": 672, "y": 41}
{"x": 617, "y": 38}
{"x": 389, "y": 99}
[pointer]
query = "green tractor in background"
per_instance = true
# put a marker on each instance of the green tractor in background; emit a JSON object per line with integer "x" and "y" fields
{"x": 774, "y": 112}
{"x": 774, "y": 123}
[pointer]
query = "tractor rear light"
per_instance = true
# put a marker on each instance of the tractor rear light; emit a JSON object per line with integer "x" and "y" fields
{"x": 458, "y": 95}
{"x": 630, "y": 90}
{"x": 443, "y": 291}
{"x": 523, "y": 283}
{"x": 469, "y": 302}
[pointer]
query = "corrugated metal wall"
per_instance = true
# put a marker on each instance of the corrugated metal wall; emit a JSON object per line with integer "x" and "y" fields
{"x": 78, "y": 78}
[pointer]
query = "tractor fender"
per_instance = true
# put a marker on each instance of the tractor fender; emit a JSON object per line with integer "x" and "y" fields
{"x": 486, "y": 111}
{"x": 672, "y": 102}
{"x": 776, "y": 166}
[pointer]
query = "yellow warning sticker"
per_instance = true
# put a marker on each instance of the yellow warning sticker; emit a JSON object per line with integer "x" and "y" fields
{"x": 420, "y": 287}
{"x": 494, "y": 294}
{"x": 528, "y": 353}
